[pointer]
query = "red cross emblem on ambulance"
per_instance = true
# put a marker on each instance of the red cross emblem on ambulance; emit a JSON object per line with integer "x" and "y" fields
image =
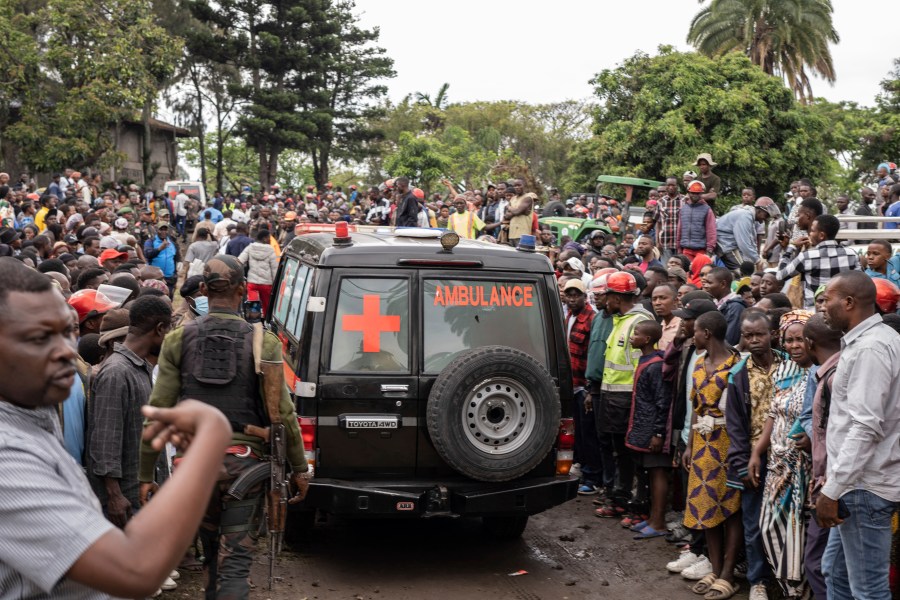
{"x": 371, "y": 323}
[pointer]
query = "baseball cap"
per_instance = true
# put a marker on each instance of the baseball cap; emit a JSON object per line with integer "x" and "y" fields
{"x": 121, "y": 223}
{"x": 678, "y": 273}
{"x": 574, "y": 284}
{"x": 695, "y": 308}
{"x": 222, "y": 272}
{"x": 696, "y": 187}
{"x": 107, "y": 242}
{"x": 191, "y": 285}
{"x": 111, "y": 253}
{"x": 576, "y": 264}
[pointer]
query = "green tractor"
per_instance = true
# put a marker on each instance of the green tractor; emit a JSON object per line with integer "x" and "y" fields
{"x": 556, "y": 215}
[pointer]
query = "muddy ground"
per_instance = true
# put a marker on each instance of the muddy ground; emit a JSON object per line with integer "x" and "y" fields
{"x": 567, "y": 553}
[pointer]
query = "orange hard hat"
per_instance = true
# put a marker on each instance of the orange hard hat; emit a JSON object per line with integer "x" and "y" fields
{"x": 886, "y": 295}
{"x": 696, "y": 187}
{"x": 621, "y": 283}
{"x": 90, "y": 303}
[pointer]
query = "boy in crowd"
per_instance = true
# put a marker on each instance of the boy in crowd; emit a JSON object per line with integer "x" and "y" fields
{"x": 751, "y": 386}
{"x": 648, "y": 425}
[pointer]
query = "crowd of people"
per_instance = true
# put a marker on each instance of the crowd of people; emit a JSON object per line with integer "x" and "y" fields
{"x": 717, "y": 356}
{"x": 752, "y": 392}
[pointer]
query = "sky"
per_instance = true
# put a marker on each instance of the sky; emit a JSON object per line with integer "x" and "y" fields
{"x": 547, "y": 51}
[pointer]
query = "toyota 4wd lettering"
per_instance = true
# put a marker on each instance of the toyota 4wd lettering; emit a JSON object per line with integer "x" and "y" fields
{"x": 428, "y": 375}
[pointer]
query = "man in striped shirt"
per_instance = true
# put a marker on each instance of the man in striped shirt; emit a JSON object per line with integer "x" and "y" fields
{"x": 54, "y": 540}
{"x": 818, "y": 264}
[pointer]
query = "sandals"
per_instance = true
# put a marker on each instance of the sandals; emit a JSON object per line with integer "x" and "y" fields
{"x": 609, "y": 511}
{"x": 648, "y": 532}
{"x": 721, "y": 590}
{"x": 704, "y": 585}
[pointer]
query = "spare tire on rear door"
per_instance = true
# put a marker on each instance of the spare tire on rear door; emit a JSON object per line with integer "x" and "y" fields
{"x": 493, "y": 413}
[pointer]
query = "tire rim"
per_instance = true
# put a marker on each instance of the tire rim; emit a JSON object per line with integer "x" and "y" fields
{"x": 498, "y": 416}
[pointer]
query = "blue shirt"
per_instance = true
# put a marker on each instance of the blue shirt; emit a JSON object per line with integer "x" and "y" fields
{"x": 736, "y": 230}
{"x": 892, "y": 270}
{"x": 807, "y": 412}
{"x": 215, "y": 215}
{"x": 73, "y": 421}
{"x": 892, "y": 211}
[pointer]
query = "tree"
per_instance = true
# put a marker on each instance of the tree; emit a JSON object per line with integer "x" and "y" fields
{"x": 351, "y": 89}
{"x": 281, "y": 49}
{"x": 423, "y": 159}
{"x": 309, "y": 75}
{"x": 440, "y": 99}
{"x": 89, "y": 65}
{"x": 499, "y": 138}
{"x": 657, "y": 113}
{"x": 783, "y": 37}
{"x": 861, "y": 137}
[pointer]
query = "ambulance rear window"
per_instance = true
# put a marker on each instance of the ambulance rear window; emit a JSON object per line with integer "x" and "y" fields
{"x": 462, "y": 315}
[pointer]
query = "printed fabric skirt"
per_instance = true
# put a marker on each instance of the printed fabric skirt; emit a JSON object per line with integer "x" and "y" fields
{"x": 709, "y": 501}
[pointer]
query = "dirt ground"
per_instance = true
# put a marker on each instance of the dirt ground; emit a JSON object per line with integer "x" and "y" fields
{"x": 567, "y": 553}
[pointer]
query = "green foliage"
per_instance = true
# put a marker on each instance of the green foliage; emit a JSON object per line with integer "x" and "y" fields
{"x": 308, "y": 72}
{"x": 352, "y": 88}
{"x": 657, "y": 113}
{"x": 85, "y": 65}
{"x": 488, "y": 141}
{"x": 421, "y": 158}
{"x": 783, "y": 37}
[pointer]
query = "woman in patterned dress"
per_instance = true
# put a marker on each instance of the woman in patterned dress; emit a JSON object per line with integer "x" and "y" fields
{"x": 711, "y": 505}
{"x": 782, "y": 522}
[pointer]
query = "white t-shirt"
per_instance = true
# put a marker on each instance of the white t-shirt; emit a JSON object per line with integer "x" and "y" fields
{"x": 181, "y": 200}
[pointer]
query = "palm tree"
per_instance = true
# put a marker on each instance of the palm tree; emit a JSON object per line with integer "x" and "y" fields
{"x": 786, "y": 38}
{"x": 440, "y": 99}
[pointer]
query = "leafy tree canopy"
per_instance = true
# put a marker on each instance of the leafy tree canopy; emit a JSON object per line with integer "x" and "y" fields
{"x": 83, "y": 65}
{"x": 657, "y": 113}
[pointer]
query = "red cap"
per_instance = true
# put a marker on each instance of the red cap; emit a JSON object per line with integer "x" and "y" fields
{"x": 111, "y": 253}
{"x": 90, "y": 303}
{"x": 418, "y": 193}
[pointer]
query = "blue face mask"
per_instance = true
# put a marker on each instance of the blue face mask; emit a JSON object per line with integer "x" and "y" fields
{"x": 201, "y": 305}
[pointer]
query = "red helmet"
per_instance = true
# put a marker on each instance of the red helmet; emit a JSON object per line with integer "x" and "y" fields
{"x": 418, "y": 193}
{"x": 886, "y": 295}
{"x": 90, "y": 303}
{"x": 622, "y": 283}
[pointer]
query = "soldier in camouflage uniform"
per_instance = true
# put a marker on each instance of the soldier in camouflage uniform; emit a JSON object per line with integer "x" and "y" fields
{"x": 211, "y": 359}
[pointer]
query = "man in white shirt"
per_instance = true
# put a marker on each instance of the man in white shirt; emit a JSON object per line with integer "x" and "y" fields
{"x": 862, "y": 487}
{"x": 180, "y": 204}
{"x": 221, "y": 229}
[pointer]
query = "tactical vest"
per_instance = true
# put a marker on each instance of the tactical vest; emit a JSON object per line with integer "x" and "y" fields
{"x": 217, "y": 368}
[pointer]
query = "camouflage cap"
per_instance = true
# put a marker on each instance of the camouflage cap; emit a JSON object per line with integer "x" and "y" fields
{"x": 222, "y": 272}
